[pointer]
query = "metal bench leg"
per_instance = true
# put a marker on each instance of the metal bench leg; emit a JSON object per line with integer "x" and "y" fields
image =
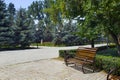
{"x": 83, "y": 68}
{"x": 93, "y": 67}
{"x": 110, "y": 73}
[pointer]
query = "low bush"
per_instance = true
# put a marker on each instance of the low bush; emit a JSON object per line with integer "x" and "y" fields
{"x": 105, "y": 59}
{"x": 108, "y": 62}
{"x": 108, "y": 52}
{"x": 71, "y": 52}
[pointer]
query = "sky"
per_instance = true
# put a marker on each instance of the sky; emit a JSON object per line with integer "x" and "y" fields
{"x": 20, "y": 3}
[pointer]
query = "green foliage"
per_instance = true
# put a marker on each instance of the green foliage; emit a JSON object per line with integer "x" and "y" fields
{"x": 71, "y": 52}
{"x": 54, "y": 11}
{"x": 6, "y": 31}
{"x": 11, "y": 9}
{"x": 11, "y": 17}
{"x": 69, "y": 9}
{"x": 109, "y": 52}
{"x": 36, "y": 10}
{"x": 108, "y": 62}
{"x": 67, "y": 39}
{"x": 44, "y": 25}
{"x": 107, "y": 14}
{"x": 95, "y": 17}
{"x": 23, "y": 33}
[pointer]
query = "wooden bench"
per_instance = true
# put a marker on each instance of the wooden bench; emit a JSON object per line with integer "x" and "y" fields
{"x": 82, "y": 56}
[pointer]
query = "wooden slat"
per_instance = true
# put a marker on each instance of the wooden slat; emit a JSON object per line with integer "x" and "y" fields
{"x": 88, "y": 53}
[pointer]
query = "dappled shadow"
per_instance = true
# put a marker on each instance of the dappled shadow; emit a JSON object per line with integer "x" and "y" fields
{"x": 87, "y": 70}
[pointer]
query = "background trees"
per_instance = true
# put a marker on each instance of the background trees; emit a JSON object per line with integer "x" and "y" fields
{"x": 6, "y": 30}
{"x": 16, "y": 30}
{"x": 23, "y": 33}
{"x": 63, "y": 21}
{"x": 11, "y": 17}
{"x": 44, "y": 25}
{"x": 60, "y": 17}
{"x": 96, "y": 15}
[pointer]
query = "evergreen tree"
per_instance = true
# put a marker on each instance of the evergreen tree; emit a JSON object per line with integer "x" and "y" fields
{"x": 23, "y": 33}
{"x": 49, "y": 26}
{"x": 36, "y": 11}
{"x": 11, "y": 12}
{"x": 11, "y": 17}
{"x": 5, "y": 27}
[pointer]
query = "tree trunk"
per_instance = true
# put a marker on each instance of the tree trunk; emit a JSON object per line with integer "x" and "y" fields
{"x": 116, "y": 40}
{"x": 118, "y": 49}
{"x": 92, "y": 43}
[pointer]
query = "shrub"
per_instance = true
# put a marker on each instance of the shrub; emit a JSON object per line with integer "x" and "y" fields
{"x": 108, "y": 52}
{"x": 108, "y": 62}
{"x": 71, "y": 52}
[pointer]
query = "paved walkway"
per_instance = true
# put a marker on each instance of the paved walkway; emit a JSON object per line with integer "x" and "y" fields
{"x": 20, "y": 56}
{"x": 36, "y": 64}
{"x": 48, "y": 69}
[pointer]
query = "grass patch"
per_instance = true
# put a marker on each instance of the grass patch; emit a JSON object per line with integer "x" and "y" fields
{"x": 59, "y": 58}
{"x": 47, "y": 44}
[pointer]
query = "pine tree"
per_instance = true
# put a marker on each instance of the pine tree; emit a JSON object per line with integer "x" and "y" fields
{"x": 23, "y": 33}
{"x": 11, "y": 17}
{"x": 11, "y": 11}
{"x": 5, "y": 28}
{"x": 36, "y": 10}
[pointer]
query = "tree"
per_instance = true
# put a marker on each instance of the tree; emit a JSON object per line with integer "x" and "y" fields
{"x": 59, "y": 12}
{"x": 72, "y": 10}
{"x": 108, "y": 15}
{"x": 55, "y": 13}
{"x": 23, "y": 33}
{"x": 11, "y": 17}
{"x": 87, "y": 25}
{"x": 89, "y": 28}
{"x": 5, "y": 27}
{"x": 35, "y": 10}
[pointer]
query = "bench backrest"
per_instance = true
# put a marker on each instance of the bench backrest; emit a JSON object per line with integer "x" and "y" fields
{"x": 86, "y": 53}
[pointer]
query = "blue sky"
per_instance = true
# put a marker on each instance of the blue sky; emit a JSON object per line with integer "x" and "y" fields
{"x": 20, "y": 3}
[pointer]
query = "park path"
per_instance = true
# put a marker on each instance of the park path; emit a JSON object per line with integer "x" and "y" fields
{"x": 48, "y": 69}
{"x": 20, "y": 56}
{"x": 36, "y": 64}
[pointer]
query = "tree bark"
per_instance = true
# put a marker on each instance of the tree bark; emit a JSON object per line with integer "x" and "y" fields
{"x": 116, "y": 40}
{"x": 92, "y": 43}
{"x": 118, "y": 49}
